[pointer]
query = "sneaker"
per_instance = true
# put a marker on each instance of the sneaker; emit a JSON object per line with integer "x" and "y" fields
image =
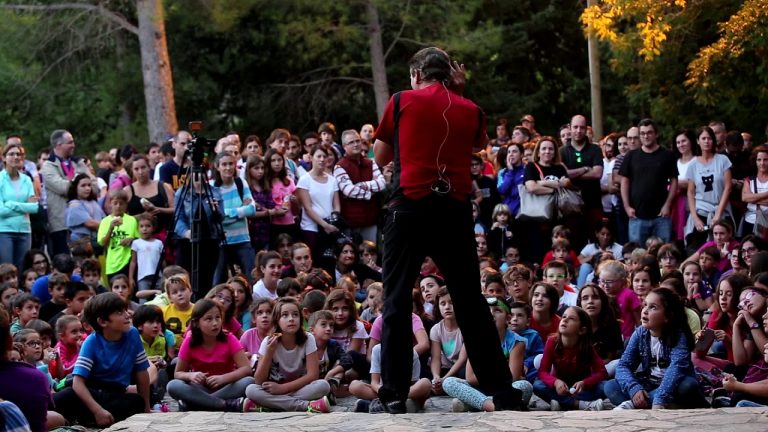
{"x": 182, "y": 406}
{"x": 458, "y": 406}
{"x": 251, "y": 406}
{"x": 554, "y": 405}
{"x": 537, "y": 404}
{"x": 396, "y": 407}
{"x": 319, "y": 406}
{"x": 721, "y": 402}
{"x": 235, "y": 405}
{"x": 626, "y": 405}
{"x": 362, "y": 405}
{"x": 595, "y": 405}
{"x": 376, "y": 407}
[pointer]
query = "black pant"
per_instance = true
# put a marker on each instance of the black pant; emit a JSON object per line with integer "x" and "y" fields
{"x": 441, "y": 228}
{"x": 120, "y": 405}
{"x": 209, "y": 251}
{"x": 58, "y": 243}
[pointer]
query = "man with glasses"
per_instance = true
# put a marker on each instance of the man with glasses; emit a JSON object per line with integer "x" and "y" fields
{"x": 60, "y": 168}
{"x": 359, "y": 179}
{"x": 648, "y": 186}
{"x": 584, "y": 162}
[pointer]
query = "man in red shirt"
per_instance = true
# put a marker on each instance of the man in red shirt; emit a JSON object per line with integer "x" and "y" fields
{"x": 430, "y": 133}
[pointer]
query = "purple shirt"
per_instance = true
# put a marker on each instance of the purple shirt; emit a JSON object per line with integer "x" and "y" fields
{"x": 33, "y": 397}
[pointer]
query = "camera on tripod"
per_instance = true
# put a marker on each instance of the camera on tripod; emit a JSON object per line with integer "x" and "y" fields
{"x": 198, "y": 147}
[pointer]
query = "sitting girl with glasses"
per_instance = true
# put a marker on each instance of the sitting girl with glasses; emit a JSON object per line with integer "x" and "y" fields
{"x": 613, "y": 280}
{"x": 224, "y": 296}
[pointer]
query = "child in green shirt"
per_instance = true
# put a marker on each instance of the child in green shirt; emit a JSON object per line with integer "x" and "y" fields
{"x": 116, "y": 233}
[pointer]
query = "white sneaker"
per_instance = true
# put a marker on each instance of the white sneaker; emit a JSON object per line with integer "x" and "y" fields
{"x": 595, "y": 405}
{"x": 626, "y": 405}
{"x": 554, "y": 405}
{"x": 458, "y": 406}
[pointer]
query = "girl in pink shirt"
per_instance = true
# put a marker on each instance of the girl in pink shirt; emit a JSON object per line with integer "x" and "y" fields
{"x": 613, "y": 280}
{"x": 213, "y": 371}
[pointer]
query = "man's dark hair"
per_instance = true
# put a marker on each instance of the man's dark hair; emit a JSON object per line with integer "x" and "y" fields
{"x": 64, "y": 263}
{"x": 101, "y": 307}
{"x": 310, "y": 135}
{"x": 167, "y": 149}
{"x": 150, "y": 146}
{"x": 648, "y": 122}
{"x": 73, "y": 288}
{"x": 57, "y": 137}
{"x": 734, "y": 139}
{"x": 434, "y": 64}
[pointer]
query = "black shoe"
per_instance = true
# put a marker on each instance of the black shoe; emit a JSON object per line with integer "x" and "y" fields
{"x": 362, "y": 406}
{"x": 182, "y": 406}
{"x": 377, "y": 406}
{"x": 234, "y": 405}
{"x": 721, "y": 402}
{"x": 507, "y": 400}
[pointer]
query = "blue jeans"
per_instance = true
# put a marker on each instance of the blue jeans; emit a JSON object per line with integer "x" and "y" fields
{"x": 641, "y": 229}
{"x": 241, "y": 254}
{"x": 548, "y": 393}
{"x": 687, "y": 394}
{"x": 13, "y": 246}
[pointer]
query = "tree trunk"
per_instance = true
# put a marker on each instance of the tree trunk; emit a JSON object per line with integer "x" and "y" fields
{"x": 378, "y": 63}
{"x": 156, "y": 70}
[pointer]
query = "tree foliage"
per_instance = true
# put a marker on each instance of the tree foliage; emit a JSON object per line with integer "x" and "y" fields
{"x": 688, "y": 61}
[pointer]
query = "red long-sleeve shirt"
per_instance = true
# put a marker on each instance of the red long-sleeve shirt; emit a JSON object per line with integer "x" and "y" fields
{"x": 568, "y": 368}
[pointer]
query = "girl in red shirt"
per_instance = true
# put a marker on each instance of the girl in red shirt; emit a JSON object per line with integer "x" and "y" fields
{"x": 572, "y": 373}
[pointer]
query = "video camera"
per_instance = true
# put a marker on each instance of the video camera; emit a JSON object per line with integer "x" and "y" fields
{"x": 198, "y": 147}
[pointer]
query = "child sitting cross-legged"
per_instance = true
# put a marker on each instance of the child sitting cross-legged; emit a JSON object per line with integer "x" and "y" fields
{"x": 212, "y": 372}
{"x": 571, "y": 374}
{"x": 288, "y": 372}
{"x": 110, "y": 359}
{"x": 513, "y": 346}
{"x": 334, "y": 361}
{"x": 368, "y": 393}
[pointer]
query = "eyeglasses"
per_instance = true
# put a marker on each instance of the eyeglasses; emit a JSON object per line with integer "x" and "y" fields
{"x": 224, "y": 299}
{"x": 749, "y": 249}
{"x": 607, "y": 282}
{"x": 578, "y": 156}
{"x": 514, "y": 281}
{"x": 13, "y": 154}
{"x": 33, "y": 344}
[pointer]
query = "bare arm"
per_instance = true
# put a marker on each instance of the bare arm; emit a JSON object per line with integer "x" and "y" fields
{"x": 383, "y": 153}
{"x": 422, "y": 342}
{"x": 727, "y": 176}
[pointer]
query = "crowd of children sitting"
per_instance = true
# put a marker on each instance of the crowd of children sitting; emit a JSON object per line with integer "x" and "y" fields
{"x": 628, "y": 328}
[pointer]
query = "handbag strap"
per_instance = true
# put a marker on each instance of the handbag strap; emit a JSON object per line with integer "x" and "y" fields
{"x": 754, "y": 190}
{"x": 538, "y": 168}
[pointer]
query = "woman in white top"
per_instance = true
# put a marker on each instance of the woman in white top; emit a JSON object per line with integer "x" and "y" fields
{"x": 686, "y": 149}
{"x": 610, "y": 148}
{"x": 709, "y": 185}
{"x": 755, "y": 190}
{"x": 318, "y": 194}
